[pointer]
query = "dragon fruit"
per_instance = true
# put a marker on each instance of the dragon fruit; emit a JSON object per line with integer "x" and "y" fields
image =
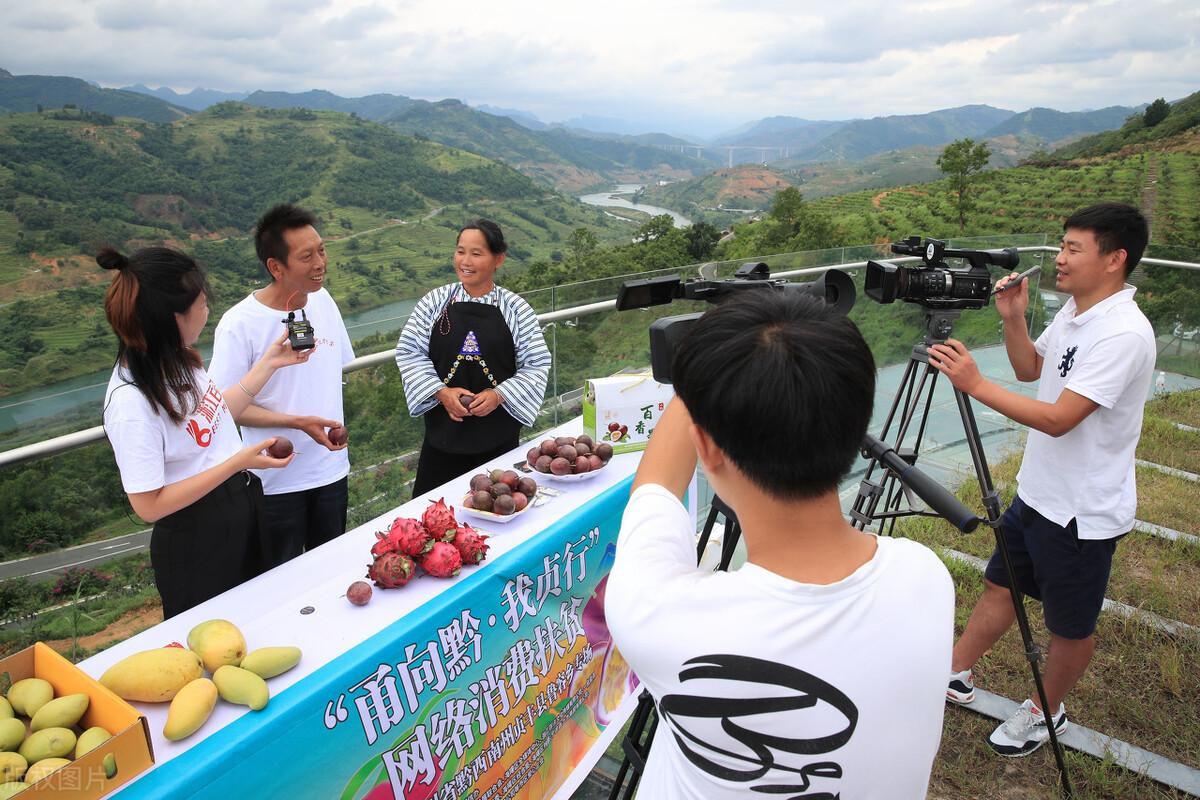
{"x": 438, "y": 519}
{"x": 443, "y": 561}
{"x": 472, "y": 545}
{"x": 392, "y": 570}
{"x": 410, "y": 537}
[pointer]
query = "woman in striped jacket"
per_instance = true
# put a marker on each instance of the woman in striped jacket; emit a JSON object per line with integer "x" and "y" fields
{"x": 473, "y": 361}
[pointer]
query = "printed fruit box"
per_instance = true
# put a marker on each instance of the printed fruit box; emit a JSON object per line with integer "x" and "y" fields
{"x": 623, "y": 409}
{"x": 110, "y": 764}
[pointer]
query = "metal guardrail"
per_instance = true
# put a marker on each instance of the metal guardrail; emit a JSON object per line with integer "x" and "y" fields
{"x": 70, "y": 441}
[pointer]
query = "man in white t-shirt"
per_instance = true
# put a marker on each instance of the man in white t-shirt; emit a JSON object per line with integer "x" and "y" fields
{"x": 305, "y": 503}
{"x": 1076, "y": 491}
{"x": 817, "y": 669}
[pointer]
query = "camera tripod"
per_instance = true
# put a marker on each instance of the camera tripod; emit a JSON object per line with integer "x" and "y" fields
{"x": 914, "y": 394}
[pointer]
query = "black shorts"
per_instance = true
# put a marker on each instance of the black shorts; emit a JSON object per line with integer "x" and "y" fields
{"x": 1052, "y": 564}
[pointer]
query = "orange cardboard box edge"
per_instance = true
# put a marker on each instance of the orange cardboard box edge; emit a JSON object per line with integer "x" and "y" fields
{"x": 86, "y": 778}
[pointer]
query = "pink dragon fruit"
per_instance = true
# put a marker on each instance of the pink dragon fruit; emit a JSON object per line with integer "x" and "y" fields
{"x": 410, "y": 537}
{"x": 472, "y": 545}
{"x": 391, "y": 570}
{"x": 443, "y": 561}
{"x": 438, "y": 519}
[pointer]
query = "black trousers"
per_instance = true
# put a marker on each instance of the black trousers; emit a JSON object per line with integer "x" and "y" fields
{"x": 436, "y": 467}
{"x": 299, "y": 521}
{"x": 210, "y": 546}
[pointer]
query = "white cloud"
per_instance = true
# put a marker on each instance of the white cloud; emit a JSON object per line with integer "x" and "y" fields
{"x": 670, "y": 64}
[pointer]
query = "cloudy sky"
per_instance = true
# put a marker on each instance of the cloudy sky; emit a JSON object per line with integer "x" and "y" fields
{"x": 699, "y": 66}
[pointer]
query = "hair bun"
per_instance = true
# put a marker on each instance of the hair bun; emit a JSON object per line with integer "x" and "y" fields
{"x": 109, "y": 258}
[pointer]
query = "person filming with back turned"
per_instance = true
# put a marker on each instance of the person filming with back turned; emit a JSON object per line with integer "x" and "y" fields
{"x": 1076, "y": 491}
{"x": 473, "y": 362}
{"x": 816, "y": 668}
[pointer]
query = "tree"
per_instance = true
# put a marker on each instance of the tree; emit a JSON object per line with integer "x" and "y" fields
{"x": 1156, "y": 112}
{"x": 960, "y": 161}
{"x": 701, "y": 239}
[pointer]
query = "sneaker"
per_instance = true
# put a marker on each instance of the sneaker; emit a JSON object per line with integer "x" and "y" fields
{"x": 1025, "y": 731}
{"x": 961, "y": 688}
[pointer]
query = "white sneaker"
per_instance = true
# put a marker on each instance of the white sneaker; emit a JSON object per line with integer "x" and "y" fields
{"x": 1025, "y": 730}
{"x": 961, "y": 688}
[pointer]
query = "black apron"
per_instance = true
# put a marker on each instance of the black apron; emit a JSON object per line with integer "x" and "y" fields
{"x": 472, "y": 348}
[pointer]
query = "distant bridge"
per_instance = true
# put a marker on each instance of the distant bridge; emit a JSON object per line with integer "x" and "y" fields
{"x": 697, "y": 149}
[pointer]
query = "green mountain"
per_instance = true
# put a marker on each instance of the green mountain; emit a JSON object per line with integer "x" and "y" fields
{"x": 390, "y": 207}
{"x": 790, "y": 132}
{"x": 1053, "y": 126}
{"x": 196, "y": 99}
{"x": 1184, "y": 117}
{"x": 866, "y": 137}
{"x": 21, "y": 93}
{"x": 373, "y": 106}
{"x": 555, "y": 156}
{"x": 747, "y": 187}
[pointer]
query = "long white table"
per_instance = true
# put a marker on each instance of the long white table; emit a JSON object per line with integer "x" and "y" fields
{"x": 303, "y": 603}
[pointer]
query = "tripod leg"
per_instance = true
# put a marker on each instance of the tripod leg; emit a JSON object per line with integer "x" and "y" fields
{"x": 991, "y": 502}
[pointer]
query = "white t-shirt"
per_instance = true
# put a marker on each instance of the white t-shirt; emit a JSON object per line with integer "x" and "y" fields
{"x": 151, "y": 450}
{"x": 767, "y": 682}
{"x": 1107, "y": 355}
{"x": 315, "y": 387}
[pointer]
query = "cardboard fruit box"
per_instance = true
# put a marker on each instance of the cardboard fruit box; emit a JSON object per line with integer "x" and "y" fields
{"x": 88, "y": 777}
{"x": 623, "y": 409}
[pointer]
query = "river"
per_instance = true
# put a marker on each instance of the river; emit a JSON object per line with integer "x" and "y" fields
{"x": 67, "y": 396}
{"x": 619, "y": 198}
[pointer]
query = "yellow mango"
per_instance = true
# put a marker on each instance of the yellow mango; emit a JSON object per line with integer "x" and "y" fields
{"x": 90, "y": 739}
{"x": 190, "y": 709}
{"x": 6, "y": 709}
{"x": 48, "y": 743}
{"x": 30, "y": 694}
{"x": 11, "y": 789}
{"x": 12, "y": 766}
{"x": 62, "y": 712}
{"x": 267, "y": 662}
{"x": 44, "y": 767}
{"x": 241, "y": 686}
{"x": 110, "y": 765}
{"x": 153, "y": 676}
{"x": 218, "y": 642}
{"x": 12, "y": 733}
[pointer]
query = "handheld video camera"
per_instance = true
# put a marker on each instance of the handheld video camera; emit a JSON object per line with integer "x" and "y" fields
{"x": 934, "y": 285}
{"x": 834, "y": 287}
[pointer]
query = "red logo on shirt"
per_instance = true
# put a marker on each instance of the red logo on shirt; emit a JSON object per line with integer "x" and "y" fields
{"x": 203, "y": 436}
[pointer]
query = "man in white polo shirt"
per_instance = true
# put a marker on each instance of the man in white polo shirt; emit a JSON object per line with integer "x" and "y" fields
{"x": 1076, "y": 492}
{"x": 305, "y": 504}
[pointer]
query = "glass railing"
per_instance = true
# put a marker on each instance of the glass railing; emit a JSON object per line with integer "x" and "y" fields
{"x": 74, "y": 494}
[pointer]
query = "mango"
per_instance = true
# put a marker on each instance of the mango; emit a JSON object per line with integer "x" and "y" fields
{"x": 48, "y": 743}
{"x": 190, "y": 709}
{"x": 30, "y": 694}
{"x": 218, "y": 642}
{"x": 12, "y": 766}
{"x": 44, "y": 767}
{"x": 62, "y": 712}
{"x": 153, "y": 676}
{"x": 110, "y": 765}
{"x": 90, "y": 739}
{"x": 267, "y": 662}
{"x": 12, "y": 733}
{"x": 241, "y": 686}
{"x": 6, "y": 709}
{"x": 11, "y": 789}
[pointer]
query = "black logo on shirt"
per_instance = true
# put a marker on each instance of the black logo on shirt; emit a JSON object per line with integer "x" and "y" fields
{"x": 1068, "y": 361}
{"x": 718, "y": 734}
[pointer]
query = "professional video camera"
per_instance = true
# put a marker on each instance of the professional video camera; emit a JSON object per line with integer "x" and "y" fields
{"x": 834, "y": 286}
{"x": 936, "y": 286}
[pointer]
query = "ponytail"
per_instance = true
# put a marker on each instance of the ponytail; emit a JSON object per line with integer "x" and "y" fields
{"x": 147, "y": 291}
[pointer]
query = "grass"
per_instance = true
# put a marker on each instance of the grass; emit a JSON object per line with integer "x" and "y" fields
{"x": 1182, "y": 407}
{"x": 1163, "y": 443}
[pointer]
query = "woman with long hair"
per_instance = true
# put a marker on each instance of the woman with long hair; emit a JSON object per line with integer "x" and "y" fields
{"x": 473, "y": 361}
{"x": 171, "y": 428}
